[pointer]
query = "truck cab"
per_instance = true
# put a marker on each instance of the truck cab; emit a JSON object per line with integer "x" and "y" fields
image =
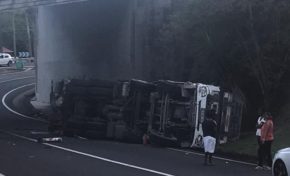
{"x": 179, "y": 108}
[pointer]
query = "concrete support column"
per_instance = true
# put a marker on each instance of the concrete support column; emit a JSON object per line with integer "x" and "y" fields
{"x": 83, "y": 40}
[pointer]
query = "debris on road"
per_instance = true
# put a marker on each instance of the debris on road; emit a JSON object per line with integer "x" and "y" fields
{"x": 49, "y": 139}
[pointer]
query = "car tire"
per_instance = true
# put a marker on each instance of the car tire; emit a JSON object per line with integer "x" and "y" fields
{"x": 280, "y": 168}
{"x": 9, "y": 64}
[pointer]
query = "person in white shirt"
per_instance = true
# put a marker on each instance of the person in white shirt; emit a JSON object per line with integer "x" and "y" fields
{"x": 260, "y": 122}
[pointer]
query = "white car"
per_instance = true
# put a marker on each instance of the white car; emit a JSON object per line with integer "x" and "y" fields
{"x": 6, "y": 59}
{"x": 281, "y": 163}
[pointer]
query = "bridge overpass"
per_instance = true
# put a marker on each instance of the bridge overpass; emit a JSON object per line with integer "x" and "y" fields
{"x": 17, "y": 4}
{"x": 90, "y": 39}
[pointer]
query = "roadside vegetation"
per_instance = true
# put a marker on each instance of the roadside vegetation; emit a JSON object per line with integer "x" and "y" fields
{"x": 235, "y": 44}
{"x": 24, "y": 23}
{"x": 247, "y": 144}
{"x": 242, "y": 44}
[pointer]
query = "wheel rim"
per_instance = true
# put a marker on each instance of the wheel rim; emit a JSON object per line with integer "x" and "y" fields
{"x": 280, "y": 169}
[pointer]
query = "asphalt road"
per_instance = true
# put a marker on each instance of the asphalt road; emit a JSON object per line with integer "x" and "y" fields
{"x": 21, "y": 155}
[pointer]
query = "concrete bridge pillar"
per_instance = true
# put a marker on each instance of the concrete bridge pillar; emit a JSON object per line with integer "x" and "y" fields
{"x": 84, "y": 40}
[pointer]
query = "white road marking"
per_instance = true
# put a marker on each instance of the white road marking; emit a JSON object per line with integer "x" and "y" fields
{"x": 1, "y": 82}
{"x": 216, "y": 157}
{"x": 19, "y": 136}
{"x": 15, "y": 112}
{"x": 92, "y": 156}
{"x": 2, "y": 174}
{"x": 28, "y": 69}
{"x": 11, "y": 73}
{"x": 67, "y": 149}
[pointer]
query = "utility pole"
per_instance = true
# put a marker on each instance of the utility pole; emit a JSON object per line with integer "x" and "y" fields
{"x": 14, "y": 35}
{"x": 28, "y": 34}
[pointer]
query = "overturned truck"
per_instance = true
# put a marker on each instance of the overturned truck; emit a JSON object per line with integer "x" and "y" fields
{"x": 167, "y": 112}
{"x": 179, "y": 108}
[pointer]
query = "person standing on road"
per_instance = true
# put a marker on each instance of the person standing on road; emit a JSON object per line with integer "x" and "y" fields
{"x": 209, "y": 127}
{"x": 260, "y": 122}
{"x": 267, "y": 137}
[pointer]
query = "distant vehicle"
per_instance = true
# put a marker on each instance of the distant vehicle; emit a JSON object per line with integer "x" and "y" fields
{"x": 6, "y": 59}
{"x": 281, "y": 163}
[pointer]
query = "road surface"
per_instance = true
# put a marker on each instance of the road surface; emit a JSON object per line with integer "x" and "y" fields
{"x": 21, "y": 155}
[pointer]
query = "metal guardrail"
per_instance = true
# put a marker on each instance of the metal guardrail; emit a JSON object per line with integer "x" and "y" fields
{"x": 6, "y": 5}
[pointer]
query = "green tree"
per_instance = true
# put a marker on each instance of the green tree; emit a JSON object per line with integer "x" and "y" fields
{"x": 6, "y": 29}
{"x": 229, "y": 42}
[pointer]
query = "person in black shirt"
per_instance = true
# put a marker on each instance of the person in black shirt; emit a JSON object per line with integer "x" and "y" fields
{"x": 209, "y": 128}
